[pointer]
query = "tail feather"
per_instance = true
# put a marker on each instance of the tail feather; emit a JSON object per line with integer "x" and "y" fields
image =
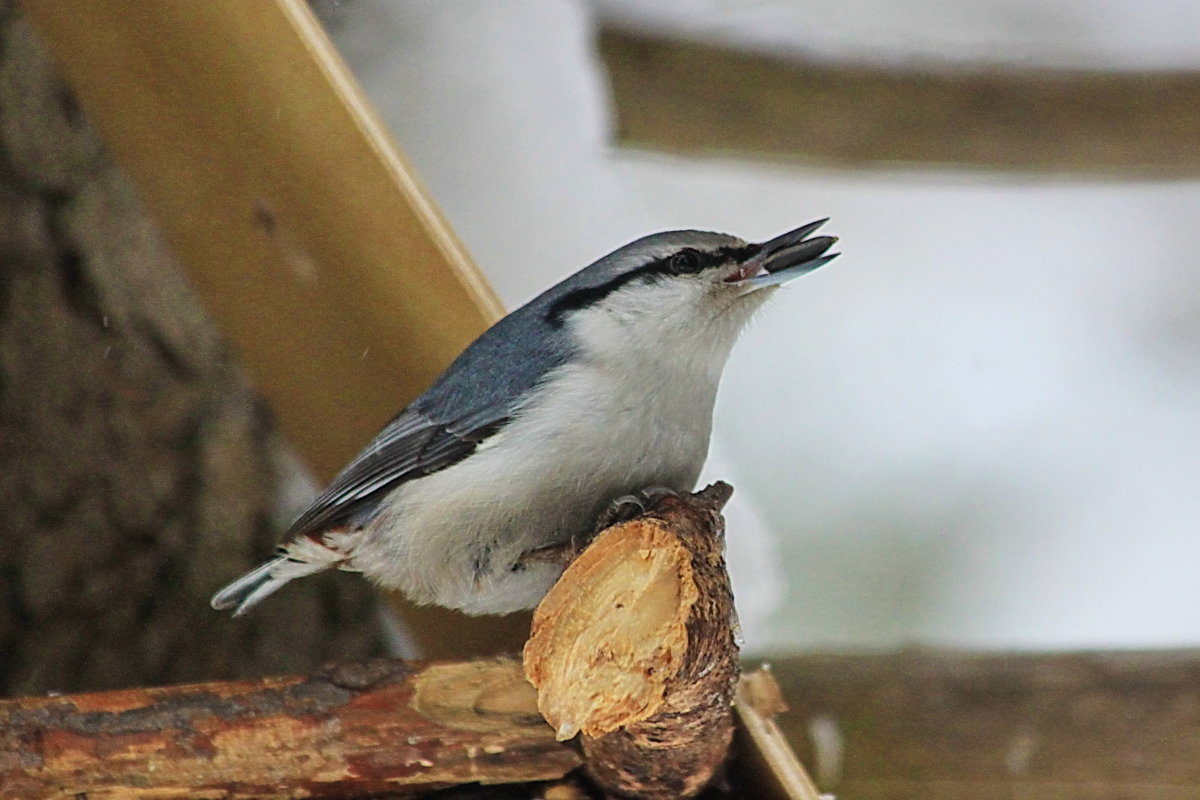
{"x": 260, "y": 582}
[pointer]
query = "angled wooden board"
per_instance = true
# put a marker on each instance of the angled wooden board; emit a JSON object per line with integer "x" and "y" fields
{"x": 310, "y": 239}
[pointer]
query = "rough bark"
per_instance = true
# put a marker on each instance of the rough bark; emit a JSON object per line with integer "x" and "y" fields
{"x": 138, "y": 469}
{"x": 634, "y": 647}
{"x": 357, "y": 730}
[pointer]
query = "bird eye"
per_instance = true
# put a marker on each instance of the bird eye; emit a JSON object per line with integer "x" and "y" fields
{"x": 685, "y": 261}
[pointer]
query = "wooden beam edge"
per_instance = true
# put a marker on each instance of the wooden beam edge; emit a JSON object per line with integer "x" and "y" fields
{"x": 702, "y": 100}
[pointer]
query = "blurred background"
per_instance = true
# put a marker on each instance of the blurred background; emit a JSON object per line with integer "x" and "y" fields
{"x": 977, "y": 429}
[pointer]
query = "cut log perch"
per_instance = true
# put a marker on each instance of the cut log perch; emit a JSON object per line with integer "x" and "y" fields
{"x": 634, "y": 647}
{"x": 361, "y": 730}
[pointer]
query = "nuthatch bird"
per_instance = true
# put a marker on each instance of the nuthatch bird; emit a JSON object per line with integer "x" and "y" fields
{"x": 597, "y": 392}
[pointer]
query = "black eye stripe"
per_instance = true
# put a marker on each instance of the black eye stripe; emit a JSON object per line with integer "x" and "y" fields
{"x": 590, "y": 295}
{"x": 667, "y": 265}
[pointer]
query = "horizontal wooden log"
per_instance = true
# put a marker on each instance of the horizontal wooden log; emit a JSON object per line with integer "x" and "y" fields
{"x": 360, "y": 730}
{"x": 934, "y": 725}
{"x": 702, "y": 99}
{"x": 353, "y": 731}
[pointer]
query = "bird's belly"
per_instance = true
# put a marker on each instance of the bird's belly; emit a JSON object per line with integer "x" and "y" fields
{"x": 456, "y": 538}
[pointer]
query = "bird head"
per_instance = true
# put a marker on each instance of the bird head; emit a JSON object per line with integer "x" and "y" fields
{"x": 681, "y": 287}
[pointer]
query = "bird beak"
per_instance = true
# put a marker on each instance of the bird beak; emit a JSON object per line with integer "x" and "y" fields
{"x": 785, "y": 257}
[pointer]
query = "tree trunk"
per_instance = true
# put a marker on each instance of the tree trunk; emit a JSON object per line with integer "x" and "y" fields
{"x": 138, "y": 469}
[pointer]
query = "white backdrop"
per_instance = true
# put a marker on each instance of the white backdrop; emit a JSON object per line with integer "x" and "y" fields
{"x": 979, "y": 427}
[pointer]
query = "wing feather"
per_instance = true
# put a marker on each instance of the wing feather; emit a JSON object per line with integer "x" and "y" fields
{"x": 412, "y": 445}
{"x": 474, "y": 398}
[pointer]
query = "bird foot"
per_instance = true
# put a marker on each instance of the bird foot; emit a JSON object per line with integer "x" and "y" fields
{"x": 622, "y": 509}
{"x": 628, "y": 506}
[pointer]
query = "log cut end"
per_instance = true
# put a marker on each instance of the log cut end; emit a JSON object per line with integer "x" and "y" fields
{"x": 634, "y": 647}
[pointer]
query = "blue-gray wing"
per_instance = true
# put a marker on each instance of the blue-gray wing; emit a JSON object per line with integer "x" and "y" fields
{"x": 410, "y": 446}
{"x": 472, "y": 400}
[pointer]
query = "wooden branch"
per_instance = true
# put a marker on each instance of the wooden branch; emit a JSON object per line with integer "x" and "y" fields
{"x": 703, "y": 99}
{"x": 634, "y": 647}
{"x": 308, "y": 236}
{"x": 383, "y": 727}
{"x": 1041, "y": 726}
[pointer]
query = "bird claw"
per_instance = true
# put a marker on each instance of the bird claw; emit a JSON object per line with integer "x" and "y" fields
{"x": 629, "y": 506}
{"x": 622, "y": 509}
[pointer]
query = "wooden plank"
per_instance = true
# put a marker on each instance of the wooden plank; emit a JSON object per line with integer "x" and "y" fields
{"x": 765, "y": 752}
{"x": 701, "y": 99}
{"x": 302, "y": 227}
{"x": 1093, "y": 726}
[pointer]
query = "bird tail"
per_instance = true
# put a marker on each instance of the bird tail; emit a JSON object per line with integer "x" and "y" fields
{"x": 260, "y": 582}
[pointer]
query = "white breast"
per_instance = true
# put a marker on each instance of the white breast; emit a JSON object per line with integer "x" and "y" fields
{"x": 592, "y": 435}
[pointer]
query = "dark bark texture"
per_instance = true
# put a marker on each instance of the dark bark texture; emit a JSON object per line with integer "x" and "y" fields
{"x": 138, "y": 469}
{"x": 371, "y": 729}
